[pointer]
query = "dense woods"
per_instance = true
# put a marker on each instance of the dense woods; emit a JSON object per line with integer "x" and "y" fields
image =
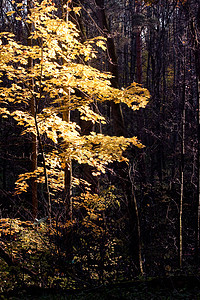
{"x": 100, "y": 145}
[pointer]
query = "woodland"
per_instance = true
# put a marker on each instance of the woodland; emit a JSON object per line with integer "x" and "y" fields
{"x": 100, "y": 149}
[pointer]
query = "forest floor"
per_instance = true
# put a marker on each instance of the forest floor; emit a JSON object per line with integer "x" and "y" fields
{"x": 156, "y": 288}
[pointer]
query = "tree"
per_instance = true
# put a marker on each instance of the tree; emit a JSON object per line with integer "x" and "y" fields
{"x": 195, "y": 30}
{"x": 60, "y": 84}
{"x": 59, "y": 67}
{"x": 33, "y": 113}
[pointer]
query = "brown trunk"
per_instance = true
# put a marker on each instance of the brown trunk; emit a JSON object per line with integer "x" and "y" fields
{"x": 138, "y": 49}
{"x": 198, "y": 159}
{"x": 195, "y": 29}
{"x": 68, "y": 163}
{"x": 86, "y": 128}
{"x": 34, "y": 136}
{"x": 34, "y": 167}
{"x": 198, "y": 192}
{"x": 139, "y": 58}
{"x": 182, "y": 171}
{"x": 68, "y": 175}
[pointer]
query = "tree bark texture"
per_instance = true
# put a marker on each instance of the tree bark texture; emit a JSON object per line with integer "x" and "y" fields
{"x": 34, "y": 136}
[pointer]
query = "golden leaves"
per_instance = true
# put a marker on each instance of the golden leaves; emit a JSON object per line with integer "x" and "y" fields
{"x": 4, "y": 112}
{"x": 77, "y": 10}
{"x": 88, "y": 114}
{"x": 25, "y": 237}
{"x": 10, "y": 13}
{"x": 58, "y": 81}
{"x": 101, "y": 44}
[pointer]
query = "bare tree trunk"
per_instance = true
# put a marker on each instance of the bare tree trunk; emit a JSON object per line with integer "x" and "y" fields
{"x": 68, "y": 163}
{"x": 139, "y": 58}
{"x": 138, "y": 228}
{"x": 34, "y": 136}
{"x": 197, "y": 43}
{"x": 198, "y": 183}
{"x": 195, "y": 30}
{"x": 68, "y": 173}
{"x": 182, "y": 172}
{"x": 182, "y": 189}
{"x": 36, "y": 139}
{"x": 138, "y": 49}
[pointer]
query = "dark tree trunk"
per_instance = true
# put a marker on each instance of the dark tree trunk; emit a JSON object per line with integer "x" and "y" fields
{"x": 34, "y": 136}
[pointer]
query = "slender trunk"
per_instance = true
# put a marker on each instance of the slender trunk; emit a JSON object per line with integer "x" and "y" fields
{"x": 47, "y": 192}
{"x": 197, "y": 59}
{"x": 68, "y": 189}
{"x": 68, "y": 163}
{"x": 198, "y": 184}
{"x": 68, "y": 172}
{"x": 34, "y": 136}
{"x": 139, "y": 58}
{"x": 182, "y": 176}
{"x": 34, "y": 167}
{"x": 138, "y": 228}
{"x": 67, "y": 233}
{"x": 138, "y": 49}
{"x": 195, "y": 31}
{"x": 181, "y": 197}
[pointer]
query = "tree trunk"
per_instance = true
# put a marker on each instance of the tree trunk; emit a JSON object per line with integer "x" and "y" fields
{"x": 34, "y": 136}
{"x": 198, "y": 185}
{"x": 195, "y": 28}
{"x": 68, "y": 174}
{"x": 198, "y": 159}
{"x": 68, "y": 163}
{"x": 182, "y": 170}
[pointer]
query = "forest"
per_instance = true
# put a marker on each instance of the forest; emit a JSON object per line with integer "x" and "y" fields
{"x": 99, "y": 149}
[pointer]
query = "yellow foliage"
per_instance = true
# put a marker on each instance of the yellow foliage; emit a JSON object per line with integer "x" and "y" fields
{"x": 60, "y": 73}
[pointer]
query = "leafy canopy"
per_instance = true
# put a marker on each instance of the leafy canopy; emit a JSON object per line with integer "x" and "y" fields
{"x": 61, "y": 79}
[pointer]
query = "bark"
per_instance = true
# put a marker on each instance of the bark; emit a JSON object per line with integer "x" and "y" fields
{"x": 198, "y": 183}
{"x": 195, "y": 30}
{"x": 68, "y": 174}
{"x": 133, "y": 209}
{"x": 139, "y": 57}
{"x": 182, "y": 169}
{"x": 34, "y": 137}
{"x": 198, "y": 120}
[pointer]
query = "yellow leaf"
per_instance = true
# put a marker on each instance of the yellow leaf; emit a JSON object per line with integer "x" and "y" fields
{"x": 101, "y": 44}
{"x": 77, "y": 10}
{"x": 10, "y": 13}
